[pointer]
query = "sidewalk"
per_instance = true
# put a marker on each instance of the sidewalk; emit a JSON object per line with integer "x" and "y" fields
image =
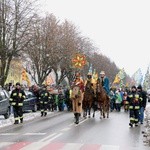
{"x": 146, "y": 133}
{"x": 27, "y": 116}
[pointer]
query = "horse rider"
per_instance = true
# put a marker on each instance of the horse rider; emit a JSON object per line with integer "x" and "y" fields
{"x": 105, "y": 82}
{"x": 77, "y": 96}
{"x": 134, "y": 99}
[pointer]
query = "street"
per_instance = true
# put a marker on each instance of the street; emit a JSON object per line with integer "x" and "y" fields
{"x": 58, "y": 131}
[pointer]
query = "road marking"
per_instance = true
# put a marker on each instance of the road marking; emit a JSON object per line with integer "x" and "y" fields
{"x": 80, "y": 122}
{"x": 65, "y": 129}
{"x": 3, "y": 144}
{"x": 9, "y": 133}
{"x": 48, "y": 145}
{"x": 34, "y": 134}
{"x": 72, "y": 146}
{"x": 44, "y": 139}
{"x": 56, "y": 136}
{"x": 109, "y": 147}
{"x": 71, "y": 124}
{"x": 42, "y": 143}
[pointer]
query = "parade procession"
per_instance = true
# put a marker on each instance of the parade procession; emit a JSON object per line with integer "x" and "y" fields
{"x": 74, "y": 75}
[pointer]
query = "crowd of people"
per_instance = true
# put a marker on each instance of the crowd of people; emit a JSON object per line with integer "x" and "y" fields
{"x": 133, "y": 100}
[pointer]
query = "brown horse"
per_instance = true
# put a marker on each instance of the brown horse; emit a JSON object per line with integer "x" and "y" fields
{"x": 88, "y": 98}
{"x": 102, "y": 100}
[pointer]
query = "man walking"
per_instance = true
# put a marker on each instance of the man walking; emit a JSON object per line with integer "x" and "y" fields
{"x": 16, "y": 100}
{"x": 44, "y": 100}
{"x": 143, "y": 103}
{"x": 134, "y": 99}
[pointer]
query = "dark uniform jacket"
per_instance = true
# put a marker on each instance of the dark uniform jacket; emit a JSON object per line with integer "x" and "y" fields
{"x": 144, "y": 98}
{"x": 44, "y": 97}
{"x": 134, "y": 99}
{"x": 17, "y": 97}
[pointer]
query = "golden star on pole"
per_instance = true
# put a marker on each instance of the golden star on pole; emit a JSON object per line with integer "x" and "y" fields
{"x": 79, "y": 61}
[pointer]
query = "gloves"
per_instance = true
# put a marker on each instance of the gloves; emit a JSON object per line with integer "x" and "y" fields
{"x": 79, "y": 104}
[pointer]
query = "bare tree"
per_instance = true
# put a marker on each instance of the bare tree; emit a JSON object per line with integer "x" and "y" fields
{"x": 15, "y": 20}
{"x": 44, "y": 50}
{"x": 69, "y": 47}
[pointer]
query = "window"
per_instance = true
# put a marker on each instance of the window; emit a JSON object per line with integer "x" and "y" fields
{"x": 2, "y": 95}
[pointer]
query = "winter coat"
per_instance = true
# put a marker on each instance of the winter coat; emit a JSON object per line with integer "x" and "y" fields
{"x": 77, "y": 97}
{"x": 105, "y": 84}
{"x": 17, "y": 97}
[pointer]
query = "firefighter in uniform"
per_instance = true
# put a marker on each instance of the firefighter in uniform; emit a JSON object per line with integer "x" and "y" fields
{"x": 16, "y": 100}
{"x": 44, "y": 101}
{"x": 134, "y": 105}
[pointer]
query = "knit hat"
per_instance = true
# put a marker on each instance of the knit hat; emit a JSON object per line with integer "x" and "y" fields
{"x": 17, "y": 83}
{"x": 133, "y": 87}
{"x": 139, "y": 87}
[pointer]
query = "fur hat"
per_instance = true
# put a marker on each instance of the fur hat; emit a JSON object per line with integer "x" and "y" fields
{"x": 102, "y": 72}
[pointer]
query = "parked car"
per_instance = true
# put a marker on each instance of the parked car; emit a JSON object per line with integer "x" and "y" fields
{"x": 4, "y": 103}
{"x": 31, "y": 102}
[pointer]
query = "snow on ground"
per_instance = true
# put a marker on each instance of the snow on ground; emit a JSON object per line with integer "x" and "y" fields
{"x": 27, "y": 116}
{"x": 146, "y": 133}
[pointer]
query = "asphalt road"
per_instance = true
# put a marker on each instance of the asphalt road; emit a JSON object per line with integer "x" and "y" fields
{"x": 58, "y": 131}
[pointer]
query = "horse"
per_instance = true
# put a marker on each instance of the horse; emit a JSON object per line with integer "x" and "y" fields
{"x": 88, "y": 98}
{"x": 103, "y": 100}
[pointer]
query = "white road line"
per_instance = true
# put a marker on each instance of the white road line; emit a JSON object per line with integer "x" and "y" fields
{"x": 3, "y": 144}
{"x": 41, "y": 143}
{"x": 33, "y": 146}
{"x": 71, "y": 124}
{"x": 65, "y": 129}
{"x": 80, "y": 122}
{"x": 44, "y": 139}
{"x": 34, "y": 134}
{"x": 9, "y": 134}
{"x": 109, "y": 147}
{"x": 56, "y": 136}
{"x": 72, "y": 146}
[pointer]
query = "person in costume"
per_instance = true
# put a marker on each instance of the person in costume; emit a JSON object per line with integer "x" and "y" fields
{"x": 77, "y": 96}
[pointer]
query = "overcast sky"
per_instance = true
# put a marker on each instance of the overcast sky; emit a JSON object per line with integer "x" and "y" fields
{"x": 119, "y": 28}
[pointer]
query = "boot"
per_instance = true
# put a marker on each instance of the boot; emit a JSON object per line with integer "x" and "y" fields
{"x": 16, "y": 122}
{"x": 42, "y": 113}
{"x": 45, "y": 113}
{"x": 74, "y": 115}
{"x": 21, "y": 120}
{"x": 77, "y": 118}
{"x": 130, "y": 124}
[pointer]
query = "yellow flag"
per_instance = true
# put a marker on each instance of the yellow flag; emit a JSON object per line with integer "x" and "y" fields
{"x": 94, "y": 77}
{"x": 117, "y": 79}
{"x": 24, "y": 75}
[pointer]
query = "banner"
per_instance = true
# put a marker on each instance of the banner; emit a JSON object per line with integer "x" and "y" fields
{"x": 117, "y": 79}
{"x": 138, "y": 77}
{"x": 49, "y": 80}
{"x": 24, "y": 77}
